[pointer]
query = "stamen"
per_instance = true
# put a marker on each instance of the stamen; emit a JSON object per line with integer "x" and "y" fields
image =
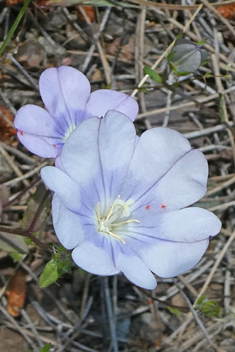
{"x": 116, "y": 236}
{"x": 117, "y": 211}
{"x": 98, "y": 211}
{"x": 111, "y": 209}
{"x": 125, "y": 222}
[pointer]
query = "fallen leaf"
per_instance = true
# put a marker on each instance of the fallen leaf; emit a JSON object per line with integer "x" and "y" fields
{"x": 13, "y": 2}
{"x": 6, "y": 121}
{"x": 227, "y": 11}
{"x": 16, "y": 294}
{"x": 90, "y": 12}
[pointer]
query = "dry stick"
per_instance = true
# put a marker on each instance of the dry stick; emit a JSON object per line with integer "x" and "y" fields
{"x": 20, "y": 194}
{"x": 199, "y": 335}
{"x": 223, "y": 206}
{"x": 42, "y": 30}
{"x": 178, "y": 106}
{"x": 24, "y": 73}
{"x": 165, "y": 52}
{"x": 31, "y": 325}
{"x": 188, "y": 320}
{"x": 206, "y": 131}
{"x": 210, "y": 276}
{"x": 12, "y": 164}
{"x": 221, "y": 92}
{"x": 218, "y": 15}
{"x": 193, "y": 312}
{"x": 227, "y": 292}
{"x": 217, "y": 262}
{"x": 188, "y": 97}
{"x": 176, "y": 7}
{"x": 188, "y": 285}
{"x": 107, "y": 69}
{"x": 27, "y": 159}
{"x": 139, "y": 58}
{"x": 220, "y": 187}
{"x": 194, "y": 37}
{"x": 29, "y": 333}
{"x": 93, "y": 46}
{"x": 18, "y": 327}
{"x": 25, "y": 176}
{"x": 7, "y": 103}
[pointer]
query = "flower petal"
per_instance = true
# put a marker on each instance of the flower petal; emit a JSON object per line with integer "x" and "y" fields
{"x": 103, "y": 100}
{"x": 40, "y": 146}
{"x": 65, "y": 91}
{"x": 100, "y": 148}
{"x": 79, "y": 156}
{"x": 35, "y": 120}
{"x": 186, "y": 225}
{"x": 189, "y": 225}
{"x": 134, "y": 268}
{"x": 169, "y": 259}
{"x": 37, "y": 131}
{"x": 64, "y": 187}
{"x": 67, "y": 225}
{"x": 185, "y": 183}
{"x": 155, "y": 154}
{"x": 94, "y": 259}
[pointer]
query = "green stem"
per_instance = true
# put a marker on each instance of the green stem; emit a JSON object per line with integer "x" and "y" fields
{"x": 14, "y": 26}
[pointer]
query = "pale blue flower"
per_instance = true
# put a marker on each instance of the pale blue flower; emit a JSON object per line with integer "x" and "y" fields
{"x": 66, "y": 95}
{"x": 121, "y": 203}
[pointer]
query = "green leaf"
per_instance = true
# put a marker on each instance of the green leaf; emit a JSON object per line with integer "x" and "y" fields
{"x": 170, "y": 56}
{"x": 181, "y": 73}
{"x": 152, "y": 74}
{"x": 38, "y": 203}
{"x": 179, "y": 36}
{"x": 16, "y": 257}
{"x": 12, "y": 243}
{"x": 174, "y": 311}
{"x": 46, "y": 348}
{"x": 202, "y": 42}
{"x": 201, "y": 299}
{"x": 56, "y": 267}
{"x": 208, "y": 75}
{"x": 186, "y": 56}
{"x": 49, "y": 275}
{"x": 227, "y": 76}
{"x": 211, "y": 308}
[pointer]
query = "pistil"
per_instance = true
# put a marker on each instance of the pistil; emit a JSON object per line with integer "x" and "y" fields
{"x": 118, "y": 210}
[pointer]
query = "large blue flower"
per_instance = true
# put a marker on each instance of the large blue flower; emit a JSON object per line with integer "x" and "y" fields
{"x": 121, "y": 203}
{"x": 66, "y": 95}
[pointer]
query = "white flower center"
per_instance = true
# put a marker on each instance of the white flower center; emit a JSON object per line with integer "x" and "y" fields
{"x": 68, "y": 132}
{"x": 116, "y": 216}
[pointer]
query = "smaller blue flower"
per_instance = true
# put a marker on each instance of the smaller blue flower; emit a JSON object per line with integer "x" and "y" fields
{"x": 67, "y": 96}
{"x": 121, "y": 203}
